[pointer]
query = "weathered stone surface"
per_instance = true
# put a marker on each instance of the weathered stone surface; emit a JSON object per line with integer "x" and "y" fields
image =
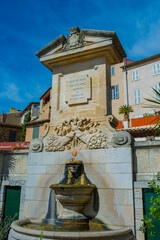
{"x": 78, "y": 90}
{"x": 121, "y": 139}
{"x": 36, "y": 145}
{"x": 18, "y": 233}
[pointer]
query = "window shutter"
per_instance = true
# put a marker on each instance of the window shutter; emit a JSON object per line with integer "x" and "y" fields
{"x": 112, "y": 71}
{"x": 35, "y": 132}
{"x": 154, "y": 69}
{"x": 113, "y": 92}
{"x": 135, "y": 97}
{"x": 137, "y": 74}
{"x": 157, "y": 88}
{"x": 158, "y": 68}
{"x": 139, "y": 96}
{"x": 133, "y": 75}
{"x": 116, "y": 91}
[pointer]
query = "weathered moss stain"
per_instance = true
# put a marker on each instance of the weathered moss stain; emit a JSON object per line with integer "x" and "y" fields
{"x": 94, "y": 226}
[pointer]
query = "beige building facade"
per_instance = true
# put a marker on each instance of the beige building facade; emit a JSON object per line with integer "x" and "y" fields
{"x": 117, "y": 87}
{"x": 142, "y": 76}
{"x": 117, "y": 92}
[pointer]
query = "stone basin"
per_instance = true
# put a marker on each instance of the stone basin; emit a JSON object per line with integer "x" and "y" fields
{"x": 21, "y": 233}
{"x": 73, "y": 197}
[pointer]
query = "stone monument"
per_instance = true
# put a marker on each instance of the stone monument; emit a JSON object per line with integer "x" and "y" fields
{"x": 81, "y": 91}
{"x": 81, "y": 121}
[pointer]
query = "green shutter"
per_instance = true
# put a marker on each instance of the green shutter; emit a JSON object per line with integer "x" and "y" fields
{"x": 147, "y": 194}
{"x": 12, "y": 202}
{"x": 35, "y": 132}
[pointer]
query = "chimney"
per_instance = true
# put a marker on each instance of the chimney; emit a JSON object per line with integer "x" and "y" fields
{"x": 12, "y": 110}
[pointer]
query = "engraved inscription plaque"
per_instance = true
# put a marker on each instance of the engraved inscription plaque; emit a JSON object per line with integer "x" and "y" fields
{"x": 78, "y": 90}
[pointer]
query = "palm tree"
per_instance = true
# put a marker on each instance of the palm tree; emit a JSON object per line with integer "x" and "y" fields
{"x": 125, "y": 109}
{"x": 156, "y": 105}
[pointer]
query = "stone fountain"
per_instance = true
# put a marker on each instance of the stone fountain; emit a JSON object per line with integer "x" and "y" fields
{"x": 96, "y": 188}
{"x": 73, "y": 194}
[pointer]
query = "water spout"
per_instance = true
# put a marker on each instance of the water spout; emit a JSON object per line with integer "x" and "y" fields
{"x": 51, "y": 215}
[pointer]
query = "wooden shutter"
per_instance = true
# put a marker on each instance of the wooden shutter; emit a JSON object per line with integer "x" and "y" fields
{"x": 158, "y": 68}
{"x": 116, "y": 91}
{"x": 139, "y": 95}
{"x": 137, "y": 74}
{"x": 112, "y": 71}
{"x": 135, "y": 97}
{"x": 113, "y": 93}
{"x": 133, "y": 75}
{"x": 35, "y": 132}
{"x": 154, "y": 69}
{"x": 157, "y": 88}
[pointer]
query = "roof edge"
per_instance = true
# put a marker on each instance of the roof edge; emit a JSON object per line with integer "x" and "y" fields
{"x": 37, "y": 122}
{"x": 144, "y": 60}
{"x": 45, "y": 92}
{"x": 99, "y": 33}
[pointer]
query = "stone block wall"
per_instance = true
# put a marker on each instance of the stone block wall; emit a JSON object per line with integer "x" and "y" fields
{"x": 146, "y": 165}
{"x": 146, "y": 160}
{"x": 13, "y": 172}
{"x": 120, "y": 199}
{"x": 109, "y": 169}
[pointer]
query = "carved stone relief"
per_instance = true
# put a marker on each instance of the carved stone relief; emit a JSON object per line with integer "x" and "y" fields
{"x": 76, "y": 39}
{"x": 80, "y": 134}
{"x": 36, "y": 145}
{"x": 98, "y": 140}
{"x": 72, "y": 134}
{"x": 121, "y": 139}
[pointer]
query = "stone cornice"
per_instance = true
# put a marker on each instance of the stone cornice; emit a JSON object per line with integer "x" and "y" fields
{"x": 76, "y": 46}
{"x": 51, "y": 45}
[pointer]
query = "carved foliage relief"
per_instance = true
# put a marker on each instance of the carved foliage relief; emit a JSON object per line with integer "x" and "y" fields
{"x": 79, "y": 133}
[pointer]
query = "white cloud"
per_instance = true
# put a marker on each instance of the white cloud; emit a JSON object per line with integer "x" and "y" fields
{"x": 147, "y": 45}
{"x": 11, "y": 92}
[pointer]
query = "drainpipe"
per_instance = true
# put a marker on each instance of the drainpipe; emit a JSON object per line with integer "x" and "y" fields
{"x": 126, "y": 84}
{"x": 126, "y": 74}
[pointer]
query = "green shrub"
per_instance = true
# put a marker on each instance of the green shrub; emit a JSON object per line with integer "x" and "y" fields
{"x": 154, "y": 214}
{"x": 5, "y": 226}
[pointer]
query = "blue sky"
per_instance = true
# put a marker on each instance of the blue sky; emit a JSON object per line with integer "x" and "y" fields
{"x": 28, "y": 25}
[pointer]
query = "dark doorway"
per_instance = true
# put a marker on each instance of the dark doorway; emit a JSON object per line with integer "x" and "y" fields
{"x": 147, "y": 195}
{"x": 12, "y": 202}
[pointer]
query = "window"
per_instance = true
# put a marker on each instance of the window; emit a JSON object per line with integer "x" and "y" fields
{"x": 157, "y": 88}
{"x": 12, "y": 136}
{"x": 137, "y": 96}
{"x": 35, "y": 132}
{"x": 156, "y": 69}
{"x": 112, "y": 71}
{"x": 115, "y": 92}
{"x": 135, "y": 75}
